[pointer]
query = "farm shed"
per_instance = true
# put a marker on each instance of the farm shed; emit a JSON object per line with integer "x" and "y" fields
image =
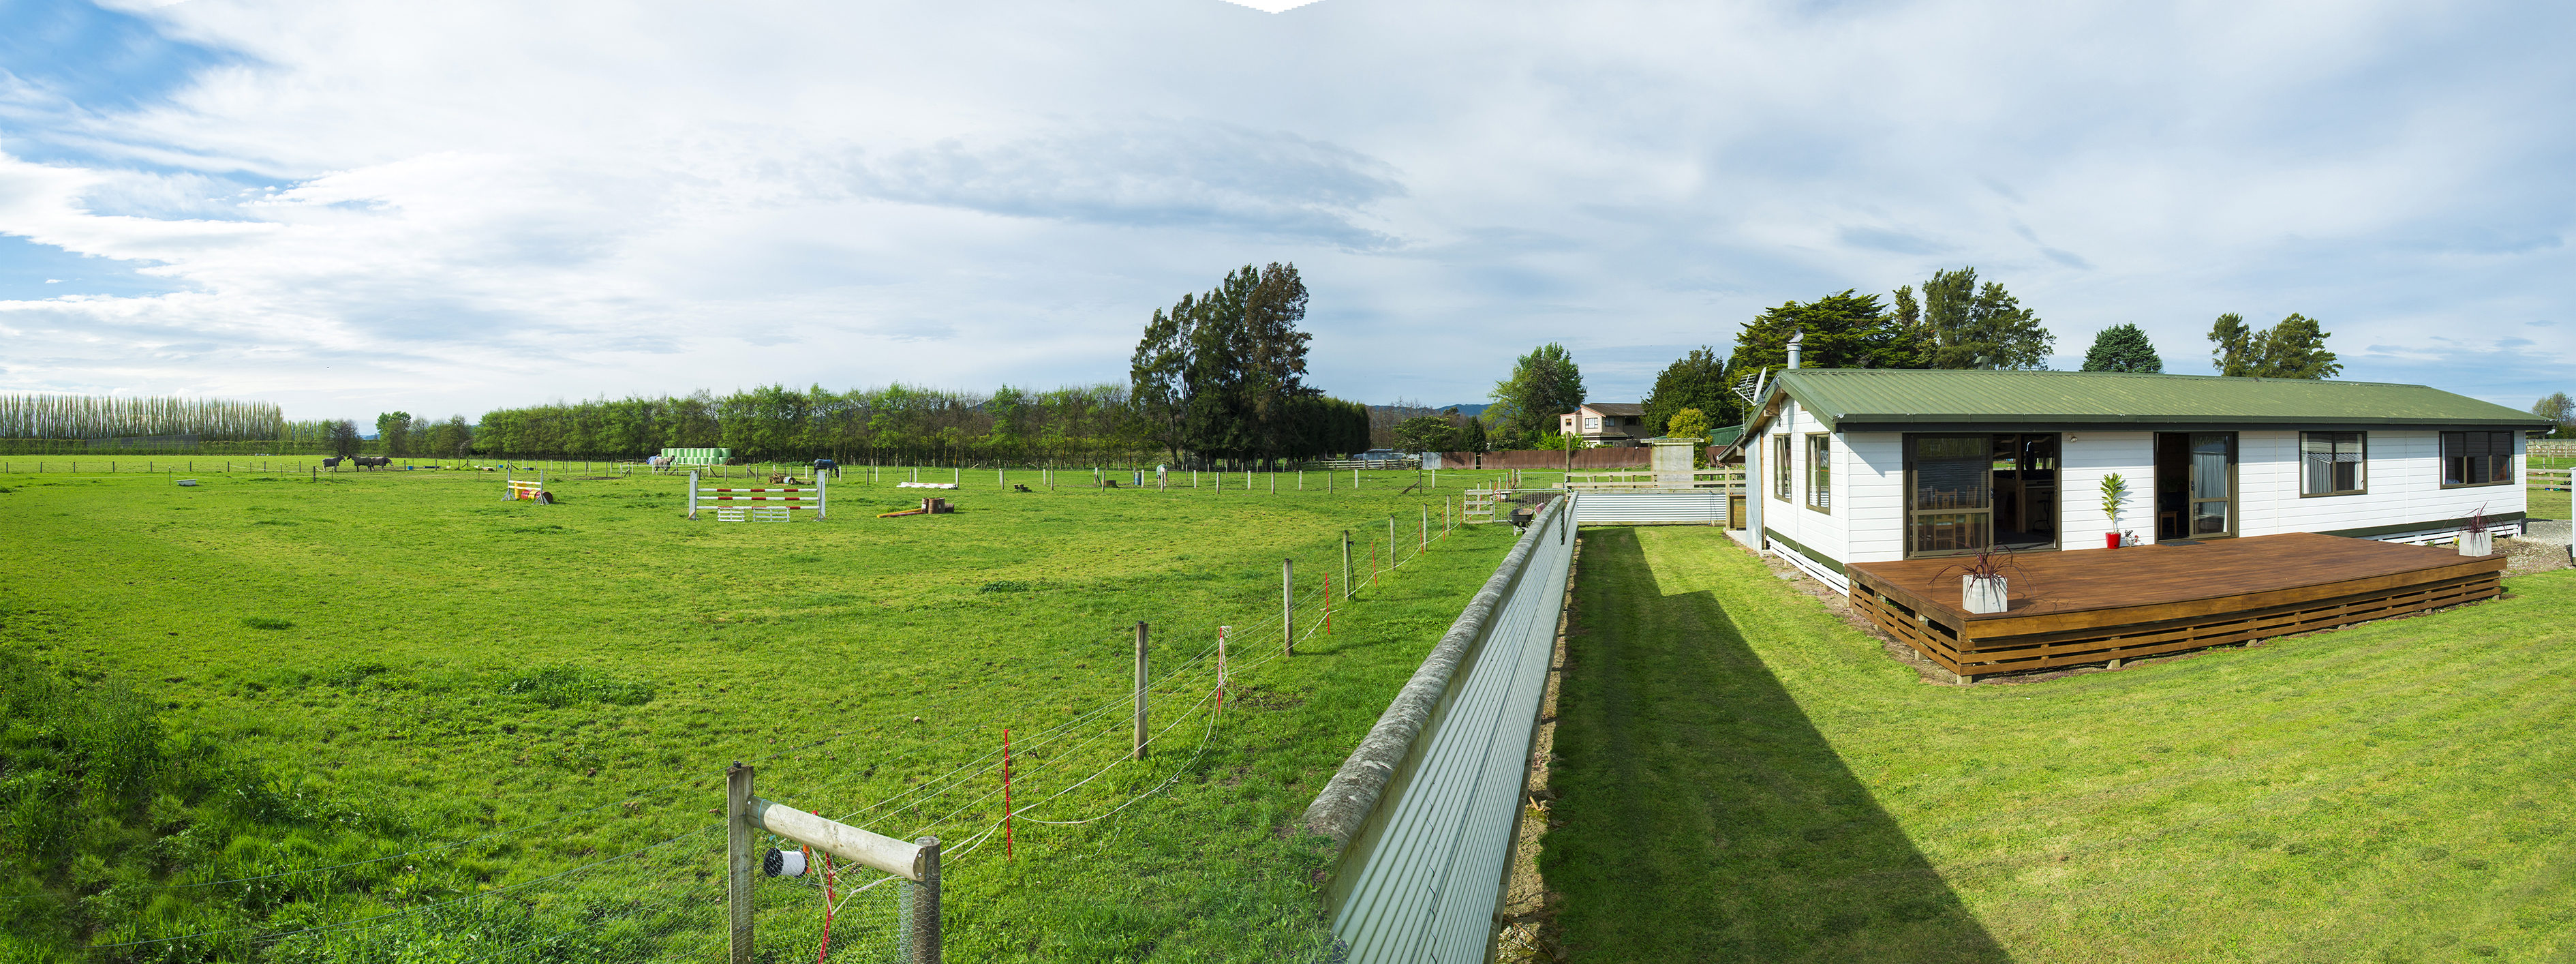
{"x": 1849, "y": 466}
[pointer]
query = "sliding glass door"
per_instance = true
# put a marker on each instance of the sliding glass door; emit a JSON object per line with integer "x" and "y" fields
{"x": 2195, "y": 485}
{"x": 1949, "y": 494}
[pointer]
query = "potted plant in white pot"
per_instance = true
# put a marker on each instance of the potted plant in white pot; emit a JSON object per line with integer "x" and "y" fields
{"x": 2115, "y": 490}
{"x": 1981, "y": 581}
{"x": 2477, "y": 541}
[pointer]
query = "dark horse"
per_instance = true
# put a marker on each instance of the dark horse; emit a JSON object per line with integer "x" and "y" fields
{"x": 374, "y": 461}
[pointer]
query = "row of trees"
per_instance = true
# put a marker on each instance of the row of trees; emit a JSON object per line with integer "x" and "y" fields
{"x": 118, "y": 416}
{"x": 157, "y": 422}
{"x": 897, "y": 423}
{"x": 1955, "y": 321}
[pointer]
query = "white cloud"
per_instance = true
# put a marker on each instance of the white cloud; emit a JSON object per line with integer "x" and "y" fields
{"x": 468, "y": 205}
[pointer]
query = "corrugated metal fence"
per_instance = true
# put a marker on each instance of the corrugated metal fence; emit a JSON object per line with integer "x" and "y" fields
{"x": 1425, "y": 812}
{"x": 1703, "y": 506}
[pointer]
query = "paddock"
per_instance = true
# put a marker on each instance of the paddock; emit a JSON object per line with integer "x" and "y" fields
{"x": 2109, "y": 606}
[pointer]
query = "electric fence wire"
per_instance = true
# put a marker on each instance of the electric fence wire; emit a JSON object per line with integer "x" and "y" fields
{"x": 996, "y": 791}
{"x": 984, "y": 764}
{"x": 987, "y": 761}
{"x": 960, "y": 731}
{"x": 1186, "y": 767}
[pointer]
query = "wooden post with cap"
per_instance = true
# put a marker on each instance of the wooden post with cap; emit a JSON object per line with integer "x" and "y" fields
{"x": 739, "y": 860}
{"x": 925, "y": 905}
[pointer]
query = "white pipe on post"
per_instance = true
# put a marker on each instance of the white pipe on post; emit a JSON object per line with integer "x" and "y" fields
{"x": 877, "y": 851}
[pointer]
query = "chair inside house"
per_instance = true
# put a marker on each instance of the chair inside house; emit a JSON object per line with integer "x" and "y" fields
{"x": 2025, "y": 482}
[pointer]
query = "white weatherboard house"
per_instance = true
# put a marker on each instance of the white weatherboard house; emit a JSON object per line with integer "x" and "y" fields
{"x": 1874, "y": 465}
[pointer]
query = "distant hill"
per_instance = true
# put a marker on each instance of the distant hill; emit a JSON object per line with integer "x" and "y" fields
{"x": 1468, "y": 410}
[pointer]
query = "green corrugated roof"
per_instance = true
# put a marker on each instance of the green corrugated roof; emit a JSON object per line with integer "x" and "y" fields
{"x": 1893, "y": 396}
{"x": 1722, "y": 437}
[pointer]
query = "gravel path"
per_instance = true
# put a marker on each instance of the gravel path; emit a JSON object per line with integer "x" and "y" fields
{"x": 2552, "y": 531}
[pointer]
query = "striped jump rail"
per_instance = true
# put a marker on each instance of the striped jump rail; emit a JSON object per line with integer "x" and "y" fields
{"x": 516, "y": 489}
{"x": 725, "y": 497}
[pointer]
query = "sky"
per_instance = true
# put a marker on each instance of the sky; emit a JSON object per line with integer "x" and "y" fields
{"x": 447, "y": 208}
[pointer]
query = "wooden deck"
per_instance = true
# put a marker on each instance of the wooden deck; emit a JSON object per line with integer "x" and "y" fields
{"x": 2098, "y": 606}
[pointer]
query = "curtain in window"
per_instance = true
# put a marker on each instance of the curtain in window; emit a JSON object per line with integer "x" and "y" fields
{"x": 2331, "y": 462}
{"x": 1820, "y": 471}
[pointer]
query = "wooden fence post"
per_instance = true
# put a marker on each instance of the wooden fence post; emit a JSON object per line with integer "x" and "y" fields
{"x": 1288, "y": 606}
{"x": 739, "y": 861}
{"x": 925, "y": 904}
{"x": 1346, "y": 563}
{"x": 1140, "y": 690}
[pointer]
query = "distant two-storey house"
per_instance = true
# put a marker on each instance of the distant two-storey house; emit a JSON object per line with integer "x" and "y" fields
{"x": 1609, "y": 424}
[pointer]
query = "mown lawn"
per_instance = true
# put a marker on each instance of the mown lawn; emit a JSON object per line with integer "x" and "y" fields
{"x": 1744, "y": 777}
{"x": 386, "y": 661}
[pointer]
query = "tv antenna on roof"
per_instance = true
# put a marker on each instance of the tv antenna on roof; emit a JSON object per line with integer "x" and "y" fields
{"x": 1750, "y": 387}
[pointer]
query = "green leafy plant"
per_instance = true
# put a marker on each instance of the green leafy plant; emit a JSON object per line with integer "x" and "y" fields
{"x": 2115, "y": 490}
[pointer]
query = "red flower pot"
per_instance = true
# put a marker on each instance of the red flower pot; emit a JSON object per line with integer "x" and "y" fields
{"x": 2110, "y": 540}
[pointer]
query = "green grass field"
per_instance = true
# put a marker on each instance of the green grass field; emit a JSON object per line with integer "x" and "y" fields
{"x": 1745, "y": 777}
{"x": 264, "y": 675}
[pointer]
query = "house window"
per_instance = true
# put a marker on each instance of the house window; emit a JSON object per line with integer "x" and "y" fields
{"x": 1780, "y": 466}
{"x": 2477, "y": 458}
{"x": 1820, "y": 472}
{"x": 2330, "y": 463}
{"x": 1591, "y": 425}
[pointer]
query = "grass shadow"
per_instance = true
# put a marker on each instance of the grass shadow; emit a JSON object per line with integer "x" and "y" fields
{"x": 1701, "y": 816}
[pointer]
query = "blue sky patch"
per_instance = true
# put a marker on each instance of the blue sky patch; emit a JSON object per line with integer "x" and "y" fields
{"x": 33, "y": 272}
{"x": 101, "y": 59}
